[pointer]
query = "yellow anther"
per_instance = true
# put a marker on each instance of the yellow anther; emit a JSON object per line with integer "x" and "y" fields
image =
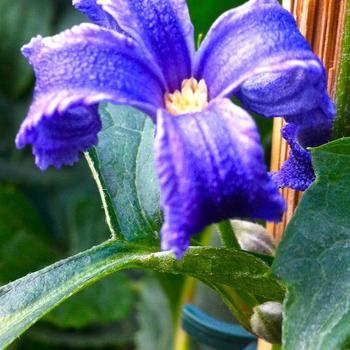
{"x": 192, "y": 98}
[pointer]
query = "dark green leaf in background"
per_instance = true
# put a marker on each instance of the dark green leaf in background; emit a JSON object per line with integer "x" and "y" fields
{"x": 24, "y": 246}
{"x": 314, "y": 257}
{"x": 85, "y": 223}
{"x": 106, "y": 301}
{"x": 154, "y": 316}
{"x": 20, "y": 20}
{"x": 204, "y": 13}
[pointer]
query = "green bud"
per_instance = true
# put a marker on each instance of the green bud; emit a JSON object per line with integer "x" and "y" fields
{"x": 266, "y": 322}
{"x": 253, "y": 237}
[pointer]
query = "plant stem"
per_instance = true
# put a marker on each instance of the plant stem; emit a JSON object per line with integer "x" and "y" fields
{"x": 227, "y": 235}
{"x": 342, "y": 123}
{"x": 182, "y": 340}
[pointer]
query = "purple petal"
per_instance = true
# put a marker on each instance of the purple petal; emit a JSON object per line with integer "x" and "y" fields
{"x": 58, "y": 139}
{"x": 314, "y": 126}
{"x": 164, "y": 28}
{"x": 289, "y": 92}
{"x": 258, "y": 40}
{"x": 75, "y": 70}
{"x": 309, "y": 129}
{"x": 210, "y": 166}
{"x": 96, "y": 14}
{"x": 267, "y": 63}
{"x": 297, "y": 171}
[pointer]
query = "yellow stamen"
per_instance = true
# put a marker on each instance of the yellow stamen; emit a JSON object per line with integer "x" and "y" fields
{"x": 192, "y": 98}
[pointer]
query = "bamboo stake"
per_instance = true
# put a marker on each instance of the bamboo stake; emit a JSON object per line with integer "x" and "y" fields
{"x": 322, "y": 23}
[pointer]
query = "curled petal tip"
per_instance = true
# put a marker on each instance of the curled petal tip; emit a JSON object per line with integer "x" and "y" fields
{"x": 20, "y": 143}
{"x": 32, "y": 47}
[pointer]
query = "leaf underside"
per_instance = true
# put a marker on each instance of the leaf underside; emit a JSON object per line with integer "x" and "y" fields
{"x": 123, "y": 162}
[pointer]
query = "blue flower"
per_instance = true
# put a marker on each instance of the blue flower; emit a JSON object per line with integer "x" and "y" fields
{"x": 208, "y": 153}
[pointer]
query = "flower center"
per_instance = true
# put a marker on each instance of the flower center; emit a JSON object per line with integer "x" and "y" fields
{"x": 193, "y": 97}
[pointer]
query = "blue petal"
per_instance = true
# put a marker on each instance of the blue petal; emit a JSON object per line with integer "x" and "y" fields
{"x": 292, "y": 91}
{"x": 309, "y": 129}
{"x": 274, "y": 73}
{"x": 76, "y": 70}
{"x": 315, "y": 125}
{"x": 96, "y": 14}
{"x": 164, "y": 28}
{"x": 58, "y": 139}
{"x": 297, "y": 171}
{"x": 257, "y": 38}
{"x": 210, "y": 166}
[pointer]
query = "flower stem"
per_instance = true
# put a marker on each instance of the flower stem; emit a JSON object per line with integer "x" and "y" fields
{"x": 228, "y": 236}
{"x": 276, "y": 347}
{"x": 182, "y": 340}
{"x": 342, "y": 123}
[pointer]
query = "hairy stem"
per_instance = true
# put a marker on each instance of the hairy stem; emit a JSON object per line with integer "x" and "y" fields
{"x": 342, "y": 123}
{"x": 227, "y": 235}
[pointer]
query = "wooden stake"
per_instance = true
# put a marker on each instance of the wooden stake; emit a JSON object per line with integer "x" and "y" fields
{"x": 322, "y": 23}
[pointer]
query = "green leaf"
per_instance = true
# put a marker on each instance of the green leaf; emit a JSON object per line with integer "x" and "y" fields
{"x": 21, "y": 232}
{"x": 314, "y": 258}
{"x": 26, "y": 300}
{"x": 85, "y": 221}
{"x": 20, "y": 20}
{"x": 123, "y": 167}
{"x": 69, "y": 17}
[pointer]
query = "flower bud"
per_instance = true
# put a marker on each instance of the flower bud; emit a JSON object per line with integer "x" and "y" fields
{"x": 266, "y": 322}
{"x": 253, "y": 237}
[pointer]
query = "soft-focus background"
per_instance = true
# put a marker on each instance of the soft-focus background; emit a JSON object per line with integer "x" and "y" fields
{"x": 47, "y": 216}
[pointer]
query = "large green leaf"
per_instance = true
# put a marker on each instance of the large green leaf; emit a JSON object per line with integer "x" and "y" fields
{"x": 314, "y": 258}
{"x": 123, "y": 167}
{"x": 26, "y": 300}
{"x": 20, "y": 20}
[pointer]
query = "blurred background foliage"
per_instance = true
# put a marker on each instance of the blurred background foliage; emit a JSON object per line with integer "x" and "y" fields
{"x": 46, "y": 216}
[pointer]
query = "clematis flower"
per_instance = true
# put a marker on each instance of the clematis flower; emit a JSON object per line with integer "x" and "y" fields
{"x": 207, "y": 149}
